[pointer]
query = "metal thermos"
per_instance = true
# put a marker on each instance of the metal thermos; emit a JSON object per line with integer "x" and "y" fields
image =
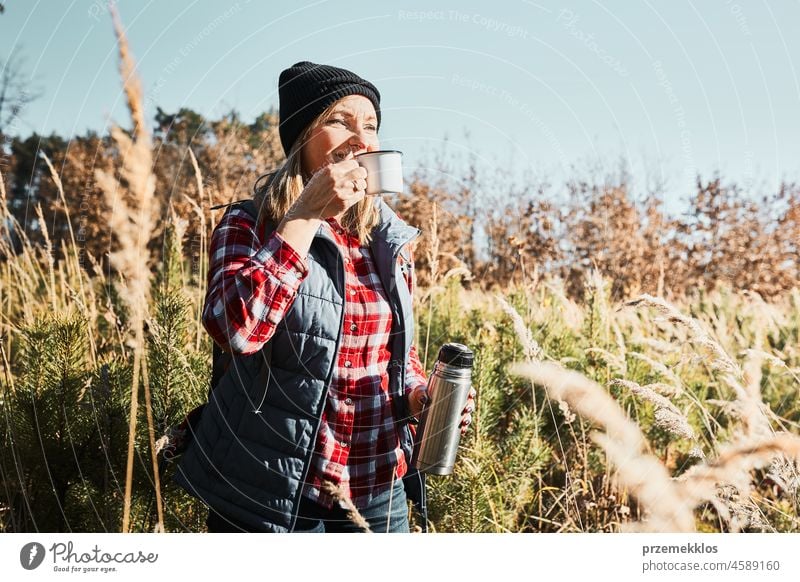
{"x": 438, "y": 433}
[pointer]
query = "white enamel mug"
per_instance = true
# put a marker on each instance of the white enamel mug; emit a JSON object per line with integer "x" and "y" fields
{"x": 384, "y": 171}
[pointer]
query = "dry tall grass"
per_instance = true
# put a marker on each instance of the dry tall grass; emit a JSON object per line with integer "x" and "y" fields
{"x": 669, "y": 503}
{"x": 132, "y": 221}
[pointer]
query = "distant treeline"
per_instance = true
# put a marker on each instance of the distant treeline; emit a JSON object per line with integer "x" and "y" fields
{"x": 724, "y": 234}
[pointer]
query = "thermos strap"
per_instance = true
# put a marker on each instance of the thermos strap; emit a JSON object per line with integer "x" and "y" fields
{"x": 414, "y": 484}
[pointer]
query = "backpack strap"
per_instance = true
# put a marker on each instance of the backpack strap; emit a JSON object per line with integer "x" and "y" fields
{"x": 220, "y": 359}
{"x": 246, "y": 204}
{"x": 220, "y": 362}
{"x": 249, "y": 206}
{"x": 178, "y": 437}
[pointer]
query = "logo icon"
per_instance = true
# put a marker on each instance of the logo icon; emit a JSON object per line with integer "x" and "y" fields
{"x": 31, "y": 555}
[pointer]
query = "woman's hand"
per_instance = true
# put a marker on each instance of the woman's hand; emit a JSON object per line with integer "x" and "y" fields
{"x": 466, "y": 414}
{"x": 332, "y": 190}
{"x": 418, "y": 398}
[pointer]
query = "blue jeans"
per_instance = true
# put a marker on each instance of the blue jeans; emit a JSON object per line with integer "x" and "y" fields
{"x": 381, "y": 516}
{"x": 313, "y": 518}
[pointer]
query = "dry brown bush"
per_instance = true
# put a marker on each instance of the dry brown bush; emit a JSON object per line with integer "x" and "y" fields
{"x": 507, "y": 233}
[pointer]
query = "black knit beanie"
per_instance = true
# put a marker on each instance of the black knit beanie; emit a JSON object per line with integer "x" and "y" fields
{"x": 306, "y": 89}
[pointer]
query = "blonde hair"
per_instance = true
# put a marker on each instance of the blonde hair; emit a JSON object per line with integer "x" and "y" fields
{"x": 284, "y": 186}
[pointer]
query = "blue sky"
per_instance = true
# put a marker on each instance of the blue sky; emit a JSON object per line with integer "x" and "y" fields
{"x": 674, "y": 88}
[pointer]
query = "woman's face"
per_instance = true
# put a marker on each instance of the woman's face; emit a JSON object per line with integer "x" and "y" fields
{"x": 351, "y": 129}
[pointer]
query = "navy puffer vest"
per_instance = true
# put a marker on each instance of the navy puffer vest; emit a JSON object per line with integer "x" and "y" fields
{"x": 252, "y": 449}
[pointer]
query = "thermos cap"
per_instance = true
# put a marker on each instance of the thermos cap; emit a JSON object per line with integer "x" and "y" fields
{"x": 456, "y": 355}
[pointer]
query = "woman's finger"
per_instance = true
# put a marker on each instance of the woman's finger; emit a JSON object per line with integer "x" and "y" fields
{"x": 417, "y": 400}
{"x": 346, "y": 166}
{"x": 357, "y": 173}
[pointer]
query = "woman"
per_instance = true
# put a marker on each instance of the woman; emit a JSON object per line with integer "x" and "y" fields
{"x": 313, "y": 298}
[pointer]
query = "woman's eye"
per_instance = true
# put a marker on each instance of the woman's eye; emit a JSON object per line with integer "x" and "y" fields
{"x": 337, "y": 120}
{"x": 371, "y": 127}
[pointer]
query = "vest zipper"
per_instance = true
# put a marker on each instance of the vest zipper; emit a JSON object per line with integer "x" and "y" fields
{"x": 401, "y": 408}
{"x": 327, "y": 385}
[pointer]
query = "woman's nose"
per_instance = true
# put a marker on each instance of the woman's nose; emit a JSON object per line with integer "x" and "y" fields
{"x": 359, "y": 139}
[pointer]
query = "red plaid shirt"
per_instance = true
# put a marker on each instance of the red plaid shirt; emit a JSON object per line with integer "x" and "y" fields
{"x": 253, "y": 283}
